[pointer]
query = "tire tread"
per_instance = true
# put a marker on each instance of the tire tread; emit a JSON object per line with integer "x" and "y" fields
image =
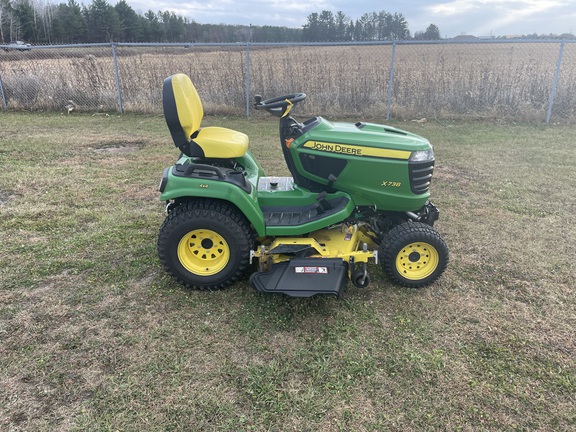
{"x": 212, "y": 209}
{"x": 400, "y": 236}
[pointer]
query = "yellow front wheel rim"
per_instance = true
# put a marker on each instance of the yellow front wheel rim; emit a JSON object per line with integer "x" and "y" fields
{"x": 203, "y": 252}
{"x": 417, "y": 261}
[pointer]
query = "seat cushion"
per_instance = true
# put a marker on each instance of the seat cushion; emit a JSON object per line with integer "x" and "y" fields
{"x": 222, "y": 143}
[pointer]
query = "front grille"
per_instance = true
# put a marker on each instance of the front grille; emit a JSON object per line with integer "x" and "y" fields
{"x": 420, "y": 176}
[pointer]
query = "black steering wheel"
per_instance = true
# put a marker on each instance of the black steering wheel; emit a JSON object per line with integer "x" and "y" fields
{"x": 278, "y": 105}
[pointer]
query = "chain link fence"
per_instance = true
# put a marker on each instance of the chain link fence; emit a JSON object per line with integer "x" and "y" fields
{"x": 523, "y": 81}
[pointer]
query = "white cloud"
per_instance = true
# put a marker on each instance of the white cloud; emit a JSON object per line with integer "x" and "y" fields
{"x": 504, "y": 16}
{"x": 522, "y": 7}
{"x": 453, "y": 17}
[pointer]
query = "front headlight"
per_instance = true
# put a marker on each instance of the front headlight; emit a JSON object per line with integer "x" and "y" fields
{"x": 422, "y": 155}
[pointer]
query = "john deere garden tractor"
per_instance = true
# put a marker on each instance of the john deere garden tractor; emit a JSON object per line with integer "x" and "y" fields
{"x": 358, "y": 195}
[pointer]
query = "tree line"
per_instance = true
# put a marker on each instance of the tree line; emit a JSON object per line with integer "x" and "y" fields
{"x": 329, "y": 27}
{"x": 37, "y": 21}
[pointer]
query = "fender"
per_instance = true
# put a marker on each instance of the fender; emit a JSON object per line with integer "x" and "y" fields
{"x": 176, "y": 187}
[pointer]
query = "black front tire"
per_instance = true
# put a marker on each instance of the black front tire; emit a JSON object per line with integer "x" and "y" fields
{"x": 413, "y": 255}
{"x": 205, "y": 244}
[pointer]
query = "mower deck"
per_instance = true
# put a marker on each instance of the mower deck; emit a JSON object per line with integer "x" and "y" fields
{"x": 303, "y": 277}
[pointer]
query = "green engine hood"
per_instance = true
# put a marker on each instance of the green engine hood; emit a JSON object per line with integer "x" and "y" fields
{"x": 375, "y": 164}
{"x": 367, "y": 134}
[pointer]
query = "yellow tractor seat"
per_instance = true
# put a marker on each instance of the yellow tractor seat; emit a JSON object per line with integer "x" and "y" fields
{"x": 183, "y": 113}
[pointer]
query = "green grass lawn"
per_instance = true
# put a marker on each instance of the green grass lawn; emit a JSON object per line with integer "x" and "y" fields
{"x": 95, "y": 337}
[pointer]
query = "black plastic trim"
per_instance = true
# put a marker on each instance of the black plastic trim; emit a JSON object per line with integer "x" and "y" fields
{"x": 290, "y": 128}
{"x": 211, "y": 172}
{"x": 322, "y": 166}
{"x": 310, "y": 124}
{"x": 164, "y": 180}
{"x": 420, "y": 176}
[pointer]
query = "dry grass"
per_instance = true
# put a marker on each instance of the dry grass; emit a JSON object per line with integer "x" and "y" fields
{"x": 95, "y": 337}
{"x": 511, "y": 81}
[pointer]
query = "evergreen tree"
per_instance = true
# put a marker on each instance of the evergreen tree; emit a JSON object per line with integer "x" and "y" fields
{"x": 366, "y": 26}
{"x": 311, "y": 29}
{"x": 358, "y": 31}
{"x": 350, "y": 31}
{"x": 155, "y": 30}
{"x": 173, "y": 26}
{"x": 399, "y": 28}
{"x": 74, "y": 22}
{"x": 102, "y": 21}
{"x": 327, "y": 26}
{"x": 341, "y": 27}
{"x": 432, "y": 32}
{"x": 130, "y": 23}
{"x": 23, "y": 14}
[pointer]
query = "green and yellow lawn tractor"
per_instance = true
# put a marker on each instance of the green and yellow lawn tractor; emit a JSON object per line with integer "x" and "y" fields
{"x": 358, "y": 195}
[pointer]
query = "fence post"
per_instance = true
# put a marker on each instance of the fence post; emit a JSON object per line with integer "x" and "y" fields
{"x": 247, "y": 83}
{"x": 117, "y": 77}
{"x": 391, "y": 81}
{"x": 555, "y": 83}
{"x": 3, "y": 95}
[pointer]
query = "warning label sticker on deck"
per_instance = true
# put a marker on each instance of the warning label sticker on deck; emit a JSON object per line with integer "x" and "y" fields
{"x": 311, "y": 270}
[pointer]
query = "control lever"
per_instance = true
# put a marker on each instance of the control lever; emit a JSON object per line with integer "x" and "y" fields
{"x": 331, "y": 180}
{"x": 323, "y": 204}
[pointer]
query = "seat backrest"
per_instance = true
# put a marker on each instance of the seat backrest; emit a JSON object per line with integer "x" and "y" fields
{"x": 182, "y": 108}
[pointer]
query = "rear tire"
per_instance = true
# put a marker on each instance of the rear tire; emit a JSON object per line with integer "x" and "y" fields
{"x": 205, "y": 244}
{"x": 413, "y": 255}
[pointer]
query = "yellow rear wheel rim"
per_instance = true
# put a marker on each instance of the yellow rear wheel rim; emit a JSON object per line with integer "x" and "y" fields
{"x": 417, "y": 261}
{"x": 203, "y": 252}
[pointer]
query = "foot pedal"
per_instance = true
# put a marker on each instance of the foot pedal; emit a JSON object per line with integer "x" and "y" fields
{"x": 303, "y": 277}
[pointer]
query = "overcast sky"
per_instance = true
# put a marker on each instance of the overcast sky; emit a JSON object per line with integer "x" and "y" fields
{"x": 453, "y": 17}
